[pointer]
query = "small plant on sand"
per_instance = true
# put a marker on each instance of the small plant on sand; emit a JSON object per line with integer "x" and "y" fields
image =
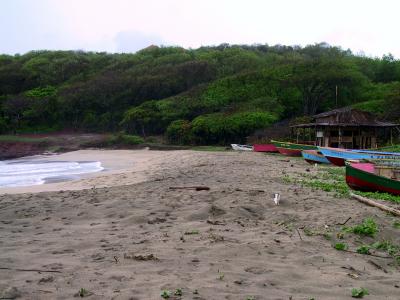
{"x": 191, "y": 232}
{"x": 359, "y": 293}
{"x": 165, "y": 294}
{"x": 364, "y": 249}
{"x": 83, "y": 292}
{"x": 286, "y": 179}
{"x": 396, "y": 224}
{"x": 387, "y": 246}
{"x": 178, "y": 292}
{"x": 341, "y": 246}
{"x": 250, "y": 298}
{"x": 308, "y": 231}
{"x": 221, "y": 275}
{"x": 367, "y": 227}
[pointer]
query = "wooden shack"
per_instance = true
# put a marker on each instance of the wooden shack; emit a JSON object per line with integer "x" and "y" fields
{"x": 345, "y": 128}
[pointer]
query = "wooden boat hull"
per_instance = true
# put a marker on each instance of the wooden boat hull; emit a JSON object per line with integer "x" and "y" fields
{"x": 264, "y": 148}
{"x": 314, "y": 157}
{"x": 360, "y": 176}
{"x": 291, "y": 149}
{"x": 338, "y": 156}
{"x": 337, "y": 161}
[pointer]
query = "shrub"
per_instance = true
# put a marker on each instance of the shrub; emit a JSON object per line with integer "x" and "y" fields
{"x": 368, "y": 227}
{"x": 125, "y": 139}
{"x": 178, "y": 132}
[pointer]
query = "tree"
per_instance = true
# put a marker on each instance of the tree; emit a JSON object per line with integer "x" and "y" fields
{"x": 14, "y": 108}
{"x": 144, "y": 117}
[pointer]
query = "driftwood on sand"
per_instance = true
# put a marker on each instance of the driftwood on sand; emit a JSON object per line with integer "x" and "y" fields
{"x": 197, "y": 188}
{"x": 376, "y": 204}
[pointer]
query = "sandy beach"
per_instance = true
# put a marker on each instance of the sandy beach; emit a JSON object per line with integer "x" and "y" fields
{"x": 125, "y": 234}
{"x": 121, "y": 167}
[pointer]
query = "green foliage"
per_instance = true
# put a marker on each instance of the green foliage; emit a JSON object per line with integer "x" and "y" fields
{"x": 226, "y": 129}
{"x": 341, "y": 246}
{"x": 83, "y": 293}
{"x": 48, "y": 91}
{"x": 16, "y": 138}
{"x": 381, "y": 196}
{"x": 191, "y": 232}
{"x": 210, "y": 95}
{"x": 364, "y": 249}
{"x": 165, "y": 294}
{"x": 396, "y": 224}
{"x": 178, "y": 292}
{"x": 178, "y": 132}
{"x": 368, "y": 227}
{"x": 209, "y": 148}
{"x": 388, "y": 246}
{"x": 359, "y": 293}
{"x": 392, "y": 148}
{"x": 124, "y": 139}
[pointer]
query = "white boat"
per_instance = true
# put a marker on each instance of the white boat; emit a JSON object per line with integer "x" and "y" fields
{"x": 238, "y": 147}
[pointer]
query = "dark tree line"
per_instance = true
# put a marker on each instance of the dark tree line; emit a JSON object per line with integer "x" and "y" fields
{"x": 207, "y": 95}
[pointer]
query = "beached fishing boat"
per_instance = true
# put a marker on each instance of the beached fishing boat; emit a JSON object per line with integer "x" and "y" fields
{"x": 238, "y": 147}
{"x": 373, "y": 177}
{"x": 292, "y": 149}
{"x": 338, "y": 156}
{"x": 314, "y": 157}
{"x": 264, "y": 148}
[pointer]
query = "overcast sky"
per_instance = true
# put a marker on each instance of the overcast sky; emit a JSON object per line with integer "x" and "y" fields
{"x": 368, "y": 26}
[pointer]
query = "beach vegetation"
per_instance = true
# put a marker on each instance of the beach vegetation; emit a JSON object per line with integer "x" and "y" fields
{"x": 332, "y": 179}
{"x": 396, "y": 224}
{"x": 364, "y": 249}
{"x": 165, "y": 294}
{"x": 83, "y": 292}
{"x": 387, "y": 246}
{"x": 341, "y": 246}
{"x": 359, "y": 293}
{"x": 125, "y": 139}
{"x": 221, "y": 275}
{"x": 178, "y": 292}
{"x": 368, "y": 227}
{"x": 192, "y": 232}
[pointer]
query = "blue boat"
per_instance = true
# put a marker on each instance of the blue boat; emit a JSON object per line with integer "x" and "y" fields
{"x": 314, "y": 157}
{"x": 338, "y": 156}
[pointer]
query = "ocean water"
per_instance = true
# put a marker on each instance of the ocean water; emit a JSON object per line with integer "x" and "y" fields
{"x": 34, "y": 171}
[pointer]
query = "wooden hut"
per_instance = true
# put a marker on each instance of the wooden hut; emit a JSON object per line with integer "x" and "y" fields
{"x": 345, "y": 128}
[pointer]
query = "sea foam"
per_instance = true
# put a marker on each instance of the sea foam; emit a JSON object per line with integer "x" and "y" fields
{"x": 26, "y": 172}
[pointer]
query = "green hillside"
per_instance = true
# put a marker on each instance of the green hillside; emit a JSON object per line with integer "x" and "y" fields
{"x": 210, "y": 95}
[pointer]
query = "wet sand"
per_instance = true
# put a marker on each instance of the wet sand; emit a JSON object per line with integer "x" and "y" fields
{"x": 136, "y": 236}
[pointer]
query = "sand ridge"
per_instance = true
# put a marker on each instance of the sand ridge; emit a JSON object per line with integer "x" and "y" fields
{"x": 231, "y": 242}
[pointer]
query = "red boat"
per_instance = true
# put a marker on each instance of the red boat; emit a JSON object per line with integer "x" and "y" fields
{"x": 264, "y": 148}
{"x": 291, "y": 149}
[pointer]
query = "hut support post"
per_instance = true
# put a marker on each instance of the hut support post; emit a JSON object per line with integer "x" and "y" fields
{"x": 391, "y": 137}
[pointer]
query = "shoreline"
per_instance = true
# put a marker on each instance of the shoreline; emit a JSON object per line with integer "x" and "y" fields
{"x": 121, "y": 167}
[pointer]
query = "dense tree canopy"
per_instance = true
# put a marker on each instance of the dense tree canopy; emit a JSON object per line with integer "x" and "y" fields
{"x": 208, "y": 95}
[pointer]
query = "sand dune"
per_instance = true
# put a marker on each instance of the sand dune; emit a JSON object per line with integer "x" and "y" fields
{"x": 134, "y": 240}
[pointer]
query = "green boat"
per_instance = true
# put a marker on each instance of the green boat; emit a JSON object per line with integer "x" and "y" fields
{"x": 292, "y": 149}
{"x": 374, "y": 177}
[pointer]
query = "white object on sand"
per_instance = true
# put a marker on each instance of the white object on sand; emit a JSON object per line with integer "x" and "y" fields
{"x": 277, "y": 198}
{"x": 238, "y": 147}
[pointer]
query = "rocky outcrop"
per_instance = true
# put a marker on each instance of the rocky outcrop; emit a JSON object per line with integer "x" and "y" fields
{"x": 9, "y": 150}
